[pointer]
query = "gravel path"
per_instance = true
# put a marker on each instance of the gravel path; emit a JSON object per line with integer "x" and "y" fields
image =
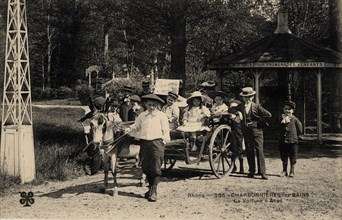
{"x": 190, "y": 192}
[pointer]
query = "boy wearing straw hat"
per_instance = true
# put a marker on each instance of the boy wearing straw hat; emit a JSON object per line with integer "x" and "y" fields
{"x": 254, "y": 116}
{"x": 152, "y": 128}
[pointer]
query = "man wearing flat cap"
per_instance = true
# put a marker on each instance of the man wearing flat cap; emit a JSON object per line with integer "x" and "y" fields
{"x": 152, "y": 127}
{"x": 254, "y": 119}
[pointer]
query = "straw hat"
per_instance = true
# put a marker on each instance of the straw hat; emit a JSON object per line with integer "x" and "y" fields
{"x": 196, "y": 94}
{"x": 208, "y": 84}
{"x": 152, "y": 97}
{"x": 217, "y": 93}
{"x": 247, "y": 91}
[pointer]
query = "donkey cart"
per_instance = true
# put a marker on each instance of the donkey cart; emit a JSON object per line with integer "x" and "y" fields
{"x": 217, "y": 145}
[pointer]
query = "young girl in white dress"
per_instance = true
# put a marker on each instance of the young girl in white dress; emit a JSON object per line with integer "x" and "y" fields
{"x": 194, "y": 117}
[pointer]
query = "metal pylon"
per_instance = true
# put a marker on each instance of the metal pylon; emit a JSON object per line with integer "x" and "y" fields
{"x": 17, "y": 145}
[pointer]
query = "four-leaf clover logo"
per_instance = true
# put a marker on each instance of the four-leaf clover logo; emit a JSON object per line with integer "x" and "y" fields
{"x": 26, "y": 198}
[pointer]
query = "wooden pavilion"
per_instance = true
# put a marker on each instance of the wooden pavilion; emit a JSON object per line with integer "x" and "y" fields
{"x": 281, "y": 51}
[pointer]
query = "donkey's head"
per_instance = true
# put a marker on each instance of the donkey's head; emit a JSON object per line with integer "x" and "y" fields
{"x": 101, "y": 130}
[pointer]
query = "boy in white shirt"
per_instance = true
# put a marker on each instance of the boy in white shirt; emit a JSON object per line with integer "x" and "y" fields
{"x": 152, "y": 128}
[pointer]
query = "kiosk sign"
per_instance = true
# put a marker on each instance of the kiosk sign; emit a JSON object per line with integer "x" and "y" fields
{"x": 164, "y": 86}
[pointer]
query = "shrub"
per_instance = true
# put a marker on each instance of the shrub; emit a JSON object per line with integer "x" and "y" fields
{"x": 53, "y": 162}
{"x": 7, "y": 182}
{"x": 64, "y": 92}
{"x": 83, "y": 92}
{"x": 40, "y": 94}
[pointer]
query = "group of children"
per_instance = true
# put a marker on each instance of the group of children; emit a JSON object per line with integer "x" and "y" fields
{"x": 151, "y": 115}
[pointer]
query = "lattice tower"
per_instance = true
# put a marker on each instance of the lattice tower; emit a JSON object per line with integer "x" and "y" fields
{"x": 17, "y": 149}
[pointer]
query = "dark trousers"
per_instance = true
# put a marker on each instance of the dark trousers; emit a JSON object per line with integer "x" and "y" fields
{"x": 238, "y": 137}
{"x": 254, "y": 140}
{"x": 152, "y": 155}
{"x": 288, "y": 151}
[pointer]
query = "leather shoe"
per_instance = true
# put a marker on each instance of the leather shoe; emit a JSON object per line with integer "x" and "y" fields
{"x": 282, "y": 174}
{"x": 264, "y": 177}
{"x": 147, "y": 194}
{"x": 251, "y": 175}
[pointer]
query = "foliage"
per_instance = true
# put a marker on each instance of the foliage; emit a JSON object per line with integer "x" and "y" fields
{"x": 64, "y": 92}
{"x": 7, "y": 182}
{"x": 39, "y": 93}
{"x": 53, "y": 163}
{"x": 83, "y": 92}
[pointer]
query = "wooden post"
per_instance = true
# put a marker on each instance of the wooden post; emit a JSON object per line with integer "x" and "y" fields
{"x": 256, "y": 75}
{"x": 289, "y": 94}
{"x": 219, "y": 74}
{"x": 319, "y": 106}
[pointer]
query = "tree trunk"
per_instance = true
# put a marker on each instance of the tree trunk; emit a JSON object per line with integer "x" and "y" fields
{"x": 105, "y": 45}
{"x": 49, "y": 47}
{"x": 336, "y": 76}
{"x": 178, "y": 41}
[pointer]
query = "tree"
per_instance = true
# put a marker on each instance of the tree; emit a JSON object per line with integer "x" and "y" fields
{"x": 335, "y": 36}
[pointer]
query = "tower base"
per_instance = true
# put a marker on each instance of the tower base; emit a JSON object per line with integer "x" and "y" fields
{"x": 17, "y": 152}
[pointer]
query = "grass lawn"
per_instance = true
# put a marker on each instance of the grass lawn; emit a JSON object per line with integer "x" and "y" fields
{"x": 58, "y": 140}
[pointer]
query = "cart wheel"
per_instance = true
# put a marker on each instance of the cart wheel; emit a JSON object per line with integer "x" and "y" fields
{"x": 168, "y": 164}
{"x": 221, "y": 148}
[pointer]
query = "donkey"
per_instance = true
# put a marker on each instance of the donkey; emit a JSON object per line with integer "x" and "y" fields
{"x": 110, "y": 150}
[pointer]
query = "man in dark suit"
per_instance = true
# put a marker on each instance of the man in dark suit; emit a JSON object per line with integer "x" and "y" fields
{"x": 253, "y": 122}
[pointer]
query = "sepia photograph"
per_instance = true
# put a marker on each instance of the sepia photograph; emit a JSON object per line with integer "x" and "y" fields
{"x": 171, "y": 109}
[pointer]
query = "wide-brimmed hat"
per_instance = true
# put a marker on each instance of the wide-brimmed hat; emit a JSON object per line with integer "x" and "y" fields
{"x": 217, "y": 93}
{"x": 135, "y": 98}
{"x": 234, "y": 103}
{"x": 152, "y": 97}
{"x": 196, "y": 94}
{"x": 127, "y": 88}
{"x": 145, "y": 83}
{"x": 209, "y": 84}
{"x": 172, "y": 95}
{"x": 247, "y": 91}
{"x": 291, "y": 104}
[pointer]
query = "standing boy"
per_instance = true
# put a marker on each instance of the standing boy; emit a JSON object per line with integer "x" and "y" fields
{"x": 153, "y": 131}
{"x": 290, "y": 129}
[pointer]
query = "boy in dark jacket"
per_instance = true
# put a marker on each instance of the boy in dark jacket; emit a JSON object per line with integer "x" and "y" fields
{"x": 290, "y": 129}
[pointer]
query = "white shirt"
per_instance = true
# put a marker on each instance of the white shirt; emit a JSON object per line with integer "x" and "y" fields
{"x": 171, "y": 111}
{"x": 248, "y": 107}
{"x": 217, "y": 109}
{"x": 151, "y": 126}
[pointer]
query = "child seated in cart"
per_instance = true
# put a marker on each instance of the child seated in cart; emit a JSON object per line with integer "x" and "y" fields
{"x": 219, "y": 107}
{"x": 171, "y": 110}
{"x": 194, "y": 118}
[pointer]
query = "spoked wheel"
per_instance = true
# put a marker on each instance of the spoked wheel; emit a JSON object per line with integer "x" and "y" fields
{"x": 168, "y": 164}
{"x": 221, "y": 151}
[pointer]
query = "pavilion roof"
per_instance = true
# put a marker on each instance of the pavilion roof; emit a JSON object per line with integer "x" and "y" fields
{"x": 280, "y": 50}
